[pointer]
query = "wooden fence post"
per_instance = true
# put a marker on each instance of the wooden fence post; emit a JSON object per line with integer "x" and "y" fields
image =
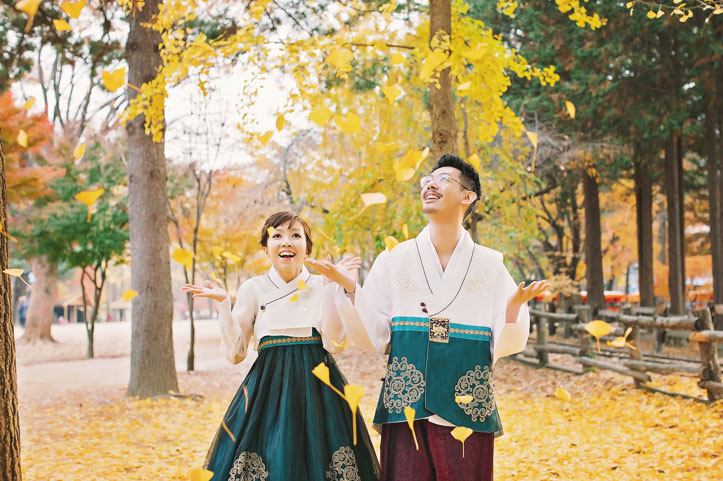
{"x": 711, "y": 375}
{"x": 584, "y": 315}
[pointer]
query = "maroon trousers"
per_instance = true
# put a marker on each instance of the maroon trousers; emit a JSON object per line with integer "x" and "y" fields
{"x": 439, "y": 457}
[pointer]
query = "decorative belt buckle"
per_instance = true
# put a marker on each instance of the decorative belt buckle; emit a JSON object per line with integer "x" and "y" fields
{"x": 439, "y": 329}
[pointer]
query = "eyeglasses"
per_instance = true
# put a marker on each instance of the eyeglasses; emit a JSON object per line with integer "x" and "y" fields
{"x": 440, "y": 180}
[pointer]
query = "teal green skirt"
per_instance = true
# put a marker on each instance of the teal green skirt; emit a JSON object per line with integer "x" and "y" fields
{"x": 284, "y": 424}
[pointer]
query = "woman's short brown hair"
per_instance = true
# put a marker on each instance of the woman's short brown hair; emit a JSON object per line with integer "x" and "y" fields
{"x": 286, "y": 217}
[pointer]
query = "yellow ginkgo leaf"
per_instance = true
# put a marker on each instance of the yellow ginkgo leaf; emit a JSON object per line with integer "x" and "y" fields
{"x": 372, "y": 198}
{"x": 264, "y": 139}
{"x": 434, "y": 60}
{"x": 405, "y": 231}
{"x": 14, "y": 272}
{"x": 301, "y": 285}
{"x": 233, "y": 258}
{"x": 22, "y": 138}
{"x": 280, "y": 121}
{"x": 390, "y": 242}
{"x": 466, "y": 399}
{"x": 339, "y": 58}
{"x": 398, "y": 59}
{"x": 651, "y": 14}
{"x": 217, "y": 250}
{"x": 622, "y": 341}
{"x": 409, "y": 413}
{"x": 533, "y": 140}
{"x": 339, "y": 344}
{"x": 392, "y": 93}
{"x": 129, "y": 294}
{"x": 322, "y": 372}
{"x": 115, "y": 79}
{"x": 402, "y": 172}
{"x": 182, "y": 256}
{"x": 320, "y": 116}
{"x": 461, "y": 434}
{"x": 294, "y": 298}
{"x": 475, "y": 161}
{"x": 29, "y": 103}
{"x": 79, "y": 152}
{"x": 200, "y": 474}
{"x": 73, "y": 9}
{"x": 349, "y": 123}
{"x": 353, "y": 395}
{"x": 476, "y": 53}
{"x": 215, "y": 277}
{"x": 464, "y": 86}
{"x": 88, "y": 197}
{"x": 570, "y": 108}
{"x": 62, "y": 25}
{"x": 30, "y": 7}
{"x": 598, "y": 329}
{"x": 561, "y": 393}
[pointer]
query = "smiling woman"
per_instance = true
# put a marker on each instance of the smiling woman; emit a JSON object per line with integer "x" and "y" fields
{"x": 284, "y": 423}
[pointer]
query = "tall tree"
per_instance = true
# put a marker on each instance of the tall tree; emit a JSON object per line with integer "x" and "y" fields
{"x": 153, "y": 369}
{"x": 441, "y": 102}
{"x": 9, "y": 419}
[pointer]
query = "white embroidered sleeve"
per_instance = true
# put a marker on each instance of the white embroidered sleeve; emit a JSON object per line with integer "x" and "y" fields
{"x": 237, "y": 325}
{"x": 333, "y": 333}
{"x": 509, "y": 338}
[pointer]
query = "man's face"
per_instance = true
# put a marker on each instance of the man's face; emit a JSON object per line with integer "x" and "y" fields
{"x": 442, "y": 194}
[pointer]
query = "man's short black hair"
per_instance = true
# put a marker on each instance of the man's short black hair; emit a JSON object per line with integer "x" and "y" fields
{"x": 469, "y": 177}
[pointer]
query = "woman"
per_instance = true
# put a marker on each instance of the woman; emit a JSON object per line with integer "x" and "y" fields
{"x": 285, "y": 424}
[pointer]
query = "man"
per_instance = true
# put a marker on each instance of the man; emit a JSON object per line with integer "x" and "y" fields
{"x": 444, "y": 309}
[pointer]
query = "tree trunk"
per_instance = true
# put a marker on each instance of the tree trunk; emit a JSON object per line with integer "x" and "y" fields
{"x": 42, "y": 299}
{"x": 593, "y": 248}
{"x": 644, "y": 218}
{"x": 676, "y": 251}
{"x": 9, "y": 419}
{"x": 441, "y": 102}
{"x": 153, "y": 369}
{"x": 191, "y": 357}
{"x": 715, "y": 197}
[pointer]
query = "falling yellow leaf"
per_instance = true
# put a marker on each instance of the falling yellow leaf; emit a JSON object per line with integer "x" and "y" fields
{"x": 14, "y": 272}
{"x": 129, "y": 294}
{"x": 409, "y": 413}
{"x": 434, "y": 60}
{"x": 339, "y": 58}
{"x": 339, "y": 344}
{"x": 115, "y": 79}
{"x": 217, "y": 250}
{"x": 182, "y": 256}
{"x": 475, "y": 161}
{"x": 231, "y": 257}
{"x": 30, "y": 7}
{"x": 301, "y": 285}
{"x": 390, "y": 242}
{"x": 403, "y": 173}
{"x": 322, "y": 372}
{"x": 392, "y": 93}
{"x": 533, "y": 139}
{"x": 561, "y": 393}
{"x": 461, "y": 434}
{"x": 466, "y": 399}
{"x": 372, "y": 198}
{"x": 73, "y": 9}
{"x": 200, "y": 474}
{"x": 570, "y": 108}
{"x": 214, "y": 277}
{"x": 62, "y": 25}
{"x": 349, "y": 123}
{"x": 464, "y": 86}
{"x": 405, "y": 231}
{"x": 398, "y": 59}
{"x": 88, "y": 197}
{"x": 270, "y": 231}
{"x": 29, "y": 103}
{"x": 23, "y": 138}
{"x": 622, "y": 341}
{"x": 651, "y": 14}
{"x": 320, "y": 116}
{"x": 294, "y": 298}
{"x": 353, "y": 395}
{"x": 228, "y": 431}
{"x": 280, "y": 121}
{"x": 598, "y": 329}
{"x": 264, "y": 139}
{"x": 79, "y": 152}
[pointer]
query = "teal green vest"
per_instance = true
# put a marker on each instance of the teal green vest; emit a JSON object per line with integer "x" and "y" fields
{"x": 429, "y": 370}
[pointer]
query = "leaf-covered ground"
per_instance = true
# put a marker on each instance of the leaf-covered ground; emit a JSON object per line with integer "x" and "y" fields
{"x": 607, "y": 430}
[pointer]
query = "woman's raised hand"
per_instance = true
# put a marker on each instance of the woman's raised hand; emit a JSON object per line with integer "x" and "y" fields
{"x": 211, "y": 291}
{"x": 344, "y": 273}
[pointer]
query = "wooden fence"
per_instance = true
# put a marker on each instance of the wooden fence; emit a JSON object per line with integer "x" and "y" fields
{"x": 631, "y": 362}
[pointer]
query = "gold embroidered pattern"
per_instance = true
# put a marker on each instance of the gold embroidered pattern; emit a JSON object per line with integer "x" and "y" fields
{"x": 288, "y": 340}
{"x": 343, "y": 465}
{"x": 480, "y": 282}
{"x": 410, "y": 323}
{"x": 403, "y": 385}
{"x": 402, "y": 283}
{"x": 457, "y": 330}
{"x": 478, "y": 384}
{"x": 248, "y": 467}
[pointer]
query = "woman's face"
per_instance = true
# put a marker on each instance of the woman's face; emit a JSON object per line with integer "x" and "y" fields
{"x": 286, "y": 247}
